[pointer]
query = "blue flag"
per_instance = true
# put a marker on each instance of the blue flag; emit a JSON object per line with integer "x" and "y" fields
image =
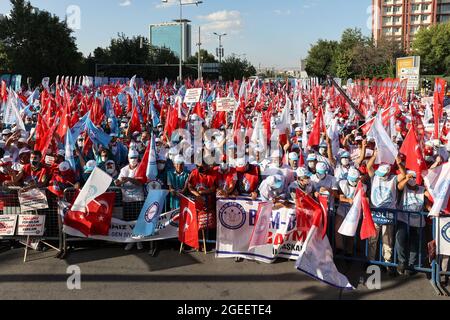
{"x": 109, "y": 111}
{"x": 68, "y": 148}
{"x": 80, "y": 125}
{"x": 150, "y": 214}
{"x": 155, "y": 116}
{"x": 97, "y": 136}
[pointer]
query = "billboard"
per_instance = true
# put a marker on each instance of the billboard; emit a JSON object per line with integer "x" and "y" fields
{"x": 409, "y": 68}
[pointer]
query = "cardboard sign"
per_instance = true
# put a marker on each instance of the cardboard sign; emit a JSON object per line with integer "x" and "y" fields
{"x": 7, "y": 225}
{"x": 225, "y": 104}
{"x": 31, "y": 225}
{"x": 192, "y": 96}
{"x": 32, "y": 200}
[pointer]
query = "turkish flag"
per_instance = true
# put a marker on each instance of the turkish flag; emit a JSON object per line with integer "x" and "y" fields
{"x": 438, "y": 106}
{"x": 188, "y": 229}
{"x": 63, "y": 125}
{"x": 97, "y": 219}
{"x": 319, "y": 127}
{"x": 323, "y": 201}
{"x": 368, "y": 229}
{"x": 99, "y": 213}
{"x": 414, "y": 156}
{"x": 135, "y": 123}
{"x": 307, "y": 210}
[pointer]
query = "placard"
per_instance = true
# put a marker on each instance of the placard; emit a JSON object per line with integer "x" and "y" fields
{"x": 7, "y": 225}
{"x": 225, "y": 104}
{"x": 31, "y": 225}
{"x": 32, "y": 200}
{"x": 192, "y": 96}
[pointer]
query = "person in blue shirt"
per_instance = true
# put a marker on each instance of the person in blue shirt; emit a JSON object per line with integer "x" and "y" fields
{"x": 177, "y": 182}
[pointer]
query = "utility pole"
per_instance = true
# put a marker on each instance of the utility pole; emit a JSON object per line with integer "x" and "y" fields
{"x": 199, "y": 54}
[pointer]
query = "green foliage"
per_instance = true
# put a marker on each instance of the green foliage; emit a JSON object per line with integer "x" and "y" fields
{"x": 433, "y": 46}
{"x": 320, "y": 60}
{"x": 37, "y": 44}
{"x": 206, "y": 57}
{"x": 234, "y": 68}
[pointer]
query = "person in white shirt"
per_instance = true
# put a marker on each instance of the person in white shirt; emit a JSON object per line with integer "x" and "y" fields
{"x": 324, "y": 184}
{"x": 132, "y": 189}
{"x": 384, "y": 195}
{"x": 272, "y": 188}
{"x": 303, "y": 183}
{"x": 343, "y": 167}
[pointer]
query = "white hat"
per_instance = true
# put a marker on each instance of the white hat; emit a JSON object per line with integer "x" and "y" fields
{"x": 90, "y": 166}
{"x": 293, "y": 156}
{"x": 22, "y": 140}
{"x": 133, "y": 154}
{"x": 61, "y": 152}
{"x": 178, "y": 160}
{"x": 321, "y": 167}
{"x": 194, "y": 117}
{"x": 6, "y": 132}
{"x": 24, "y": 150}
{"x": 241, "y": 162}
{"x": 298, "y": 129}
{"x": 302, "y": 173}
{"x": 64, "y": 166}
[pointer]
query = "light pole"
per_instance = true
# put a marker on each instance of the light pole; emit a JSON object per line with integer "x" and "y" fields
{"x": 220, "y": 52}
{"x": 180, "y": 76}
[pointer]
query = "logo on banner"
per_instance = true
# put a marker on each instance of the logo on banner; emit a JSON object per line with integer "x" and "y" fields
{"x": 446, "y": 232}
{"x": 154, "y": 185}
{"x": 173, "y": 216}
{"x": 232, "y": 216}
{"x": 151, "y": 212}
{"x": 92, "y": 191}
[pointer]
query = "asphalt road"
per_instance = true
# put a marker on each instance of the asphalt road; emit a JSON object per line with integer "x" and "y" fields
{"x": 109, "y": 272}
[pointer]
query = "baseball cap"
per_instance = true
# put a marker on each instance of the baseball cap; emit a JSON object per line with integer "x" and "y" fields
{"x": 298, "y": 129}
{"x": 90, "y": 166}
{"x": 302, "y": 173}
{"x": 61, "y": 152}
{"x": 133, "y": 154}
{"x": 178, "y": 160}
{"x": 413, "y": 173}
{"x": 345, "y": 155}
{"x": 321, "y": 168}
{"x": 353, "y": 175}
{"x": 293, "y": 156}
{"x": 24, "y": 150}
{"x": 22, "y": 140}
{"x": 311, "y": 157}
{"x": 275, "y": 182}
{"x": 6, "y": 132}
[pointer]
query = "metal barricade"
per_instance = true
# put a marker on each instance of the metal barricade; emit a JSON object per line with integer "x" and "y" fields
{"x": 396, "y": 241}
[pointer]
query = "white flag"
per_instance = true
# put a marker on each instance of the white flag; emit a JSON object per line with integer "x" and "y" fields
{"x": 97, "y": 184}
{"x": 261, "y": 228}
{"x": 440, "y": 191}
{"x": 350, "y": 224}
{"x": 387, "y": 151}
{"x": 316, "y": 260}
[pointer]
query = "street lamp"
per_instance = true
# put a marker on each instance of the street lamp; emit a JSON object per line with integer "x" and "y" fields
{"x": 220, "y": 51}
{"x": 180, "y": 76}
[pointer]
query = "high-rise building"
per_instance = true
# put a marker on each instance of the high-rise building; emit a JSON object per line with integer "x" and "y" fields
{"x": 443, "y": 11}
{"x": 400, "y": 20}
{"x": 167, "y": 35}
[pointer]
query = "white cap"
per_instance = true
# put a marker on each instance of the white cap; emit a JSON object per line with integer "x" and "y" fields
{"x": 302, "y": 173}
{"x": 241, "y": 162}
{"x": 22, "y": 140}
{"x": 61, "y": 152}
{"x": 298, "y": 129}
{"x": 293, "y": 156}
{"x": 275, "y": 182}
{"x": 178, "y": 160}
{"x": 321, "y": 167}
{"x": 133, "y": 154}
{"x": 6, "y": 132}
{"x": 24, "y": 150}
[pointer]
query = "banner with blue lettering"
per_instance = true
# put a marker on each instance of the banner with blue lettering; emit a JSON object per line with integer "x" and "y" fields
{"x": 235, "y": 223}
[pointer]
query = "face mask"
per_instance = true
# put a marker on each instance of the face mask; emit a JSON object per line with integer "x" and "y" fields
{"x": 110, "y": 171}
{"x": 104, "y": 159}
{"x": 352, "y": 183}
{"x": 80, "y": 144}
{"x": 412, "y": 183}
{"x": 311, "y": 165}
{"x": 345, "y": 162}
{"x": 161, "y": 166}
{"x": 322, "y": 151}
{"x": 321, "y": 176}
{"x": 133, "y": 162}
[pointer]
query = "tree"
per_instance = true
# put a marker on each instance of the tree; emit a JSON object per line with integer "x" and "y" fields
{"x": 4, "y": 62}
{"x": 320, "y": 60}
{"x": 350, "y": 39}
{"x": 206, "y": 57}
{"x": 38, "y": 44}
{"x": 433, "y": 46}
{"x": 233, "y": 68}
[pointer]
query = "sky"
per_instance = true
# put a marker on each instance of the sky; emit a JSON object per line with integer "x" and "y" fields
{"x": 269, "y": 33}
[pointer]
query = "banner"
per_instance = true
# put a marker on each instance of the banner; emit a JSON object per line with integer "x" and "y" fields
{"x": 31, "y": 225}
{"x": 192, "y": 96}
{"x": 236, "y": 219}
{"x": 122, "y": 231}
{"x": 7, "y": 225}
{"x": 32, "y": 200}
{"x": 225, "y": 104}
{"x": 443, "y": 244}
